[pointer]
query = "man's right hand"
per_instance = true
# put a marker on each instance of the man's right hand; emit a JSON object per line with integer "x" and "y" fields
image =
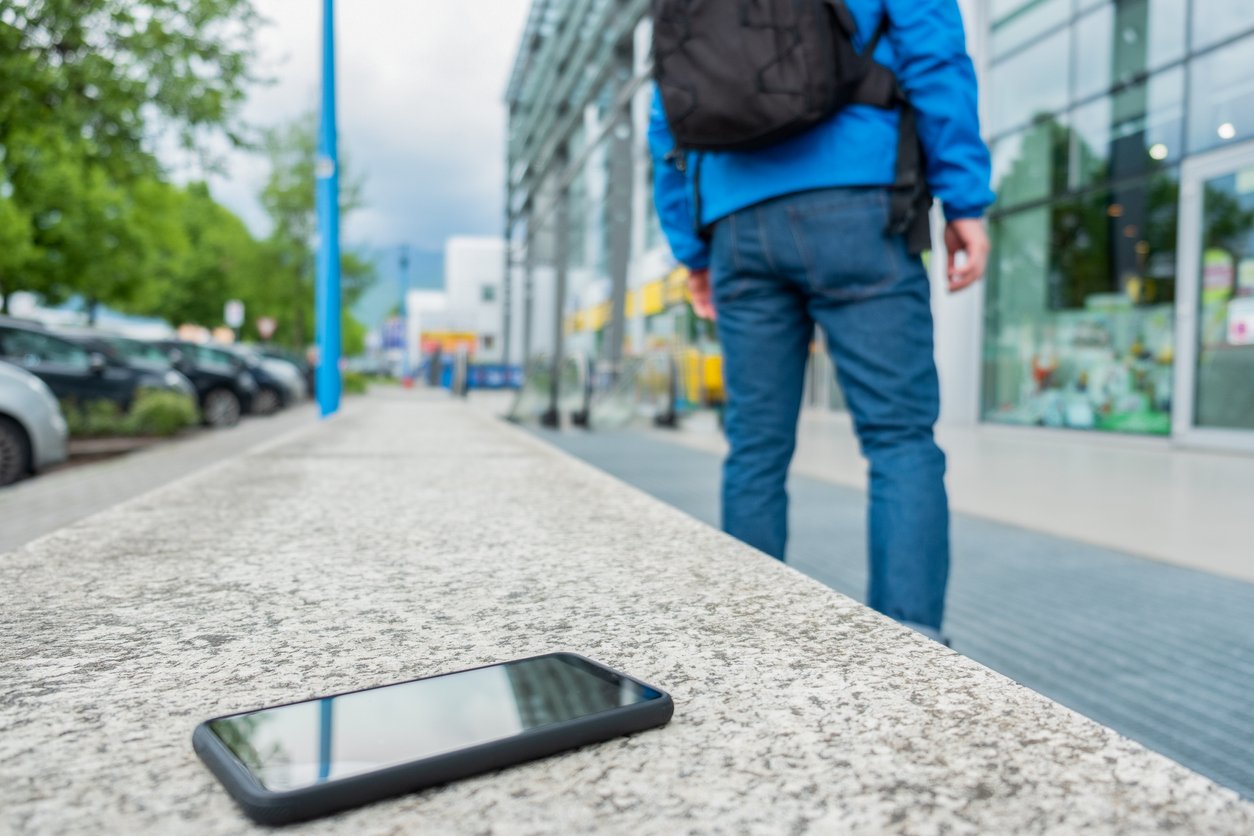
{"x": 966, "y": 236}
{"x": 702, "y": 294}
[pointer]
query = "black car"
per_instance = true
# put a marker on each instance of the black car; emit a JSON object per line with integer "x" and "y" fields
{"x": 76, "y": 371}
{"x": 272, "y": 395}
{"x": 136, "y": 354}
{"x": 224, "y": 385}
{"x": 298, "y": 360}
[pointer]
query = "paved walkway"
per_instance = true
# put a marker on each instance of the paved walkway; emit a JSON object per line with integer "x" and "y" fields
{"x": 39, "y": 506}
{"x": 411, "y": 536}
{"x": 1185, "y": 507}
{"x": 1162, "y": 654}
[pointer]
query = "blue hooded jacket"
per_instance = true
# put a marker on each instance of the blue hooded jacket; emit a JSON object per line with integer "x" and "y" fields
{"x": 925, "y": 46}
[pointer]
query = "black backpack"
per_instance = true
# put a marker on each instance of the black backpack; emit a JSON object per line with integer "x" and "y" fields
{"x": 740, "y": 75}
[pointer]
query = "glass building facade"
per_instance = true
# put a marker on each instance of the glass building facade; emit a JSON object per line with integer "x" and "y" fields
{"x": 1120, "y": 291}
{"x": 580, "y": 197}
{"x": 1095, "y": 111}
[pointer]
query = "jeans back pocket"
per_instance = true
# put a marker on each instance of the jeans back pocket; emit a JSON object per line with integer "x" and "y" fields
{"x": 843, "y": 242}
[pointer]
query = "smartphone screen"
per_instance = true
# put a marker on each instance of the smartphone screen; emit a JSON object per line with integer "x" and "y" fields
{"x": 309, "y": 743}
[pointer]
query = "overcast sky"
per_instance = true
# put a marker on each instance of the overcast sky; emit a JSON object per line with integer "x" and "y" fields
{"x": 421, "y": 113}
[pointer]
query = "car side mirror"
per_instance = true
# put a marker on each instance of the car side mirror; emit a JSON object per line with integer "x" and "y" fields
{"x": 98, "y": 362}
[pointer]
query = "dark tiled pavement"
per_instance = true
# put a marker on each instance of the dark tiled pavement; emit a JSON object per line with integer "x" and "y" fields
{"x": 1163, "y": 655}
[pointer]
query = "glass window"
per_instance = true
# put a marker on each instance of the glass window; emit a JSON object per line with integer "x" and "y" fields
{"x": 1217, "y": 20}
{"x": 1224, "y": 395}
{"x": 1030, "y": 165}
{"x": 1031, "y": 83}
{"x": 1134, "y": 132}
{"x": 1080, "y": 316}
{"x": 216, "y": 360}
{"x": 488, "y": 293}
{"x": 1120, "y": 42}
{"x": 34, "y": 350}
{"x": 1021, "y": 22}
{"x": 1221, "y": 96}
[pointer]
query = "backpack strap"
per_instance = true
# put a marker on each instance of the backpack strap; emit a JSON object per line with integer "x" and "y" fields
{"x": 910, "y": 200}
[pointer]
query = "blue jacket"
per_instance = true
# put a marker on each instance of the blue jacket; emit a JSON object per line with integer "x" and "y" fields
{"x": 925, "y": 46}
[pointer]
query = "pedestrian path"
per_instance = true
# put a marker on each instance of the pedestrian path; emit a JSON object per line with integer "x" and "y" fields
{"x": 1141, "y": 495}
{"x": 39, "y": 506}
{"x": 1160, "y": 653}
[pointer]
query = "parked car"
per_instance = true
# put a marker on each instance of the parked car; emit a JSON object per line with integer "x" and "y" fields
{"x": 146, "y": 354}
{"x": 33, "y": 434}
{"x": 224, "y": 385}
{"x": 301, "y": 363}
{"x": 278, "y": 384}
{"x": 73, "y": 370}
{"x": 137, "y": 355}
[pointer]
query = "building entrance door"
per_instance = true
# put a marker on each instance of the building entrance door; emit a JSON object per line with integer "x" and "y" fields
{"x": 1214, "y": 387}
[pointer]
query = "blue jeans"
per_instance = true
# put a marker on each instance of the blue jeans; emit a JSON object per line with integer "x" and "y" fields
{"x": 823, "y": 258}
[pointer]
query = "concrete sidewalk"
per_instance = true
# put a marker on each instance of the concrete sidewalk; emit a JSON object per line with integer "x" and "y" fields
{"x": 411, "y": 536}
{"x": 1162, "y": 654}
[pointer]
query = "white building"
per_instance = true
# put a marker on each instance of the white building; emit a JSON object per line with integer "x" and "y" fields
{"x": 468, "y": 313}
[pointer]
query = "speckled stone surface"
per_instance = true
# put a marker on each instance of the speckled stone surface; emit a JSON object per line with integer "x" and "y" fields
{"x": 411, "y": 536}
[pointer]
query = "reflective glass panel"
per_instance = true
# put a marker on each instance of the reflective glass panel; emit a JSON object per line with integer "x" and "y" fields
{"x": 1224, "y": 396}
{"x": 1030, "y": 83}
{"x": 1030, "y": 165}
{"x": 1026, "y": 21}
{"x": 1221, "y": 96}
{"x": 1121, "y": 41}
{"x": 1217, "y": 20}
{"x": 1137, "y": 131}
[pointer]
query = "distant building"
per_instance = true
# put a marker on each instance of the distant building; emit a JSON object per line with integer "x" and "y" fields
{"x": 467, "y": 313}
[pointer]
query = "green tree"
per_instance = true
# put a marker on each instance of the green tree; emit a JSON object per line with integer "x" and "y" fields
{"x": 87, "y": 85}
{"x": 289, "y": 201}
{"x": 211, "y": 258}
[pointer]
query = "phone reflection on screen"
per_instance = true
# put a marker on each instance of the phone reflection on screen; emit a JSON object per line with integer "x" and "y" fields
{"x": 309, "y": 743}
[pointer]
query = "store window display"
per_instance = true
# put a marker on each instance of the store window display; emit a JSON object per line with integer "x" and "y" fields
{"x": 1081, "y": 315}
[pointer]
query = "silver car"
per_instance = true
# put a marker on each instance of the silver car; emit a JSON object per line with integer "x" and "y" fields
{"x": 33, "y": 434}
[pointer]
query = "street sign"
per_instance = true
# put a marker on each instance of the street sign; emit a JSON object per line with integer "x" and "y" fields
{"x": 233, "y": 313}
{"x": 266, "y": 326}
{"x": 394, "y": 333}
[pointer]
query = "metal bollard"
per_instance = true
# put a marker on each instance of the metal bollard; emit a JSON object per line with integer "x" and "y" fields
{"x": 669, "y": 416}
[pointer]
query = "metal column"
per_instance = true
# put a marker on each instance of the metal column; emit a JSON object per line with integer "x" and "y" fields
{"x": 618, "y": 214}
{"x": 507, "y": 288}
{"x": 529, "y": 291}
{"x": 561, "y": 257}
{"x": 328, "y": 204}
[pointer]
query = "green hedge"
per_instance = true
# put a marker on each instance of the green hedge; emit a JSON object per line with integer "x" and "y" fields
{"x": 355, "y": 383}
{"x": 162, "y": 414}
{"x": 154, "y": 413}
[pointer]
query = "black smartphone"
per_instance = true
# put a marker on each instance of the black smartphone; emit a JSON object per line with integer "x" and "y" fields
{"x": 301, "y": 760}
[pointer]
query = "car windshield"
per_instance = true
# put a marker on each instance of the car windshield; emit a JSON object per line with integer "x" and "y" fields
{"x": 144, "y": 352}
{"x": 214, "y": 358}
{"x": 248, "y": 356}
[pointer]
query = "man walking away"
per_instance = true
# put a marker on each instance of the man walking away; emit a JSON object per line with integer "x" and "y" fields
{"x": 822, "y": 222}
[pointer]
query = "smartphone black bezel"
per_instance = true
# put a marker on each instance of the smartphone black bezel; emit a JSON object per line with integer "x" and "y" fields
{"x": 273, "y": 807}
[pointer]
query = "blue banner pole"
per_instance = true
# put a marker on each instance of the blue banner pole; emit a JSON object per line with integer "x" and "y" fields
{"x": 327, "y": 306}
